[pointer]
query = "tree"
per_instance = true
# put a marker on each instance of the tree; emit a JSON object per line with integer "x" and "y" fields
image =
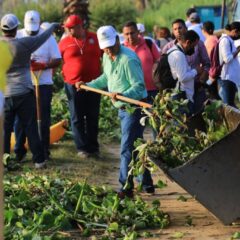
{"x": 79, "y": 7}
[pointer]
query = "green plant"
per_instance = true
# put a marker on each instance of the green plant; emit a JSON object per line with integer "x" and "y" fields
{"x": 109, "y": 126}
{"x": 175, "y": 143}
{"x": 60, "y": 109}
{"x": 50, "y": 11}
{"x": 114, "y": 12}
{"x": 163, "y": 12}
{"x": 49, "y": 208}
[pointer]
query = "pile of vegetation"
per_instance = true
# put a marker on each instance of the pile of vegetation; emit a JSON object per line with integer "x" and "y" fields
{"x": 177, "y": 141}
{"x": 46, "y": 208}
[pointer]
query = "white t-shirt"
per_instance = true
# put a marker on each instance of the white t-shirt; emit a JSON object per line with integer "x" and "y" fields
{"x": 231, "y": 68}
{"x": 49, "y": 50}
{"x": 198, "y": 29}
{"x": 237, "y": 44}
{"x": 182, "y": 71}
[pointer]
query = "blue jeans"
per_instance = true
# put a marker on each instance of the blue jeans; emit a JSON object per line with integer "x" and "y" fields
{"x": 131, "y": 130}
{"x": 23, "y": 107}
{"x": 150, "y": 99}
{"x": 84, "y": 110}
{"x": 45, "y": 106}
{"x": 227, "y": 91}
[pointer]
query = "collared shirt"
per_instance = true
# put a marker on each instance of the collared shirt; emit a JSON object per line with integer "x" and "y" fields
{"x": 124, "y": 75}
{"x": 46, "y": 52}
{"x": 200, "y": 56}
{"x": 182, "y": 71}
{"x": 148, "y": 58}
{"x": 231, "y": 68}
{"x": 81, "y": 58}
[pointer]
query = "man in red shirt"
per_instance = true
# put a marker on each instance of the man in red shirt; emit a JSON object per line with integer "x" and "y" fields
{"x": 81, "y": 62}
{"x": 146, "y": 51}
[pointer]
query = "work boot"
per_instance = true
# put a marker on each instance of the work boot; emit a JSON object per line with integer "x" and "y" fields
{"x": 41, "y": 165}
{"x": 83, "y": 154}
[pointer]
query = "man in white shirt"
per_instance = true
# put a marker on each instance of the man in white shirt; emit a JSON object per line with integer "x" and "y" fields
{"x": 230, "y": 78}
{"x": 43, "y": 60}
{"x": 196, "y": 25}
{"x": 179, "y": 66}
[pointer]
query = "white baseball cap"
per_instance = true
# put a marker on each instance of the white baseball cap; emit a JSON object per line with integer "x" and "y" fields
{"x": 106, "y": 36}
{"x": 141, "y": 27}
{"x": 9, "y": 22}
{"x": 32, "y": 21}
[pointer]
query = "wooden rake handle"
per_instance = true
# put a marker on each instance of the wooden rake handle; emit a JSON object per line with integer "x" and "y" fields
{"x": 119, "y": 97}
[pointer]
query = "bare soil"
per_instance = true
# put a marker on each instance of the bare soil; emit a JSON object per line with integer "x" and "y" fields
{"x": 104, "y": 170}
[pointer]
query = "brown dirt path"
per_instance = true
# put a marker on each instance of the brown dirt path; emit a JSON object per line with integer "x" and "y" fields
{"x": 105, "y": 171}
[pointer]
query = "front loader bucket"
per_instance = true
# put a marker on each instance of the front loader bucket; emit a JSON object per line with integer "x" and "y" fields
{"x": 213, "y": 177}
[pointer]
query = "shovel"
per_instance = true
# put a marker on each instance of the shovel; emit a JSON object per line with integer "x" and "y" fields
{"x": 38, "y": 105}
{"x": 118, "y": 97}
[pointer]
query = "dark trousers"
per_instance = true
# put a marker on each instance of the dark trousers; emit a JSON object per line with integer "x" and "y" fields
{"x": 45, "y": 109}
{"x": 84, "y": 109}
{"x": 23, "y": 107}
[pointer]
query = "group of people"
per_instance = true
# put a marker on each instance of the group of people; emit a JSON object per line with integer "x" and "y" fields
{"x": 126, "y": 70}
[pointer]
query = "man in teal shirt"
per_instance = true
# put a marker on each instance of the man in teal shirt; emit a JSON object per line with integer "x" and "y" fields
{"x": 122, "y": 74}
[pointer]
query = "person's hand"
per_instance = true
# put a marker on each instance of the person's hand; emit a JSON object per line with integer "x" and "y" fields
{"x": 78, "y": 85}
{"x": 37, "y": 66}
{"x": 114, "y": 96}
{"x": 199, "y": 69}
{"x": 56, "y": 25}
{"x": 203, "y": 76}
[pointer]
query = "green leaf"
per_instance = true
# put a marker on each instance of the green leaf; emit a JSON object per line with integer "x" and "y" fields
{"x": 8, "y": 215}
{"x": 236, "y": 235}
{"x": 20, "y": 212}
{"x": 182, "y": 198}
{"x": 178, "y": 235}
{"x": 161, "y": 184}
{"x": 19, "y": 225}
{"x": 113, "y": 227}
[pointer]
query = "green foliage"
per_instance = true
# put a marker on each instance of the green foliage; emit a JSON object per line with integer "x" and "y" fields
{"x": 175, "y": 144}
{"x": 60, "y": 109}
{"x": 58, "y": 80}
{"x": 236, "y": 235}
{"x": 164, "y": 12}
{"x": 42, "y": 208}
{"x": 114, "y": 12}
{"x": 109, "y": 125}
{"x": 50, "y": 11}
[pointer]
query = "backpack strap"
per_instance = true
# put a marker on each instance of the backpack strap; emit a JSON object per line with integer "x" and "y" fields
{"x": 149, "y": 43}
{"x": 178, "y": 49}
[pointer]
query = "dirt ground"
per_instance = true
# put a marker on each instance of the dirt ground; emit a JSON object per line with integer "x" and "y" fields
{"x": 105, "y": 171}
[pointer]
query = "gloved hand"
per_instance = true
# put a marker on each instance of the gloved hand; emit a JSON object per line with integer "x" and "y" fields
{"x": 37, "y": 66}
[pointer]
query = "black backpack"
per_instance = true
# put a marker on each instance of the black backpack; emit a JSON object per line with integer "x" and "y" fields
{"x": 162, "y": 75}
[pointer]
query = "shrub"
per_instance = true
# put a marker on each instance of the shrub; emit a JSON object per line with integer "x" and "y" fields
{"x": 50, "y": 11}
{"x": 114, "y": 12}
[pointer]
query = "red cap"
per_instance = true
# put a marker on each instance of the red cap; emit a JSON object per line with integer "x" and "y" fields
{"x": 72, "y": 21}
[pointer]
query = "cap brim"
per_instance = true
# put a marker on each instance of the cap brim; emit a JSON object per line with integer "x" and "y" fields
{"x": 32, "y": 27}
{"x": 107, "y": 43}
